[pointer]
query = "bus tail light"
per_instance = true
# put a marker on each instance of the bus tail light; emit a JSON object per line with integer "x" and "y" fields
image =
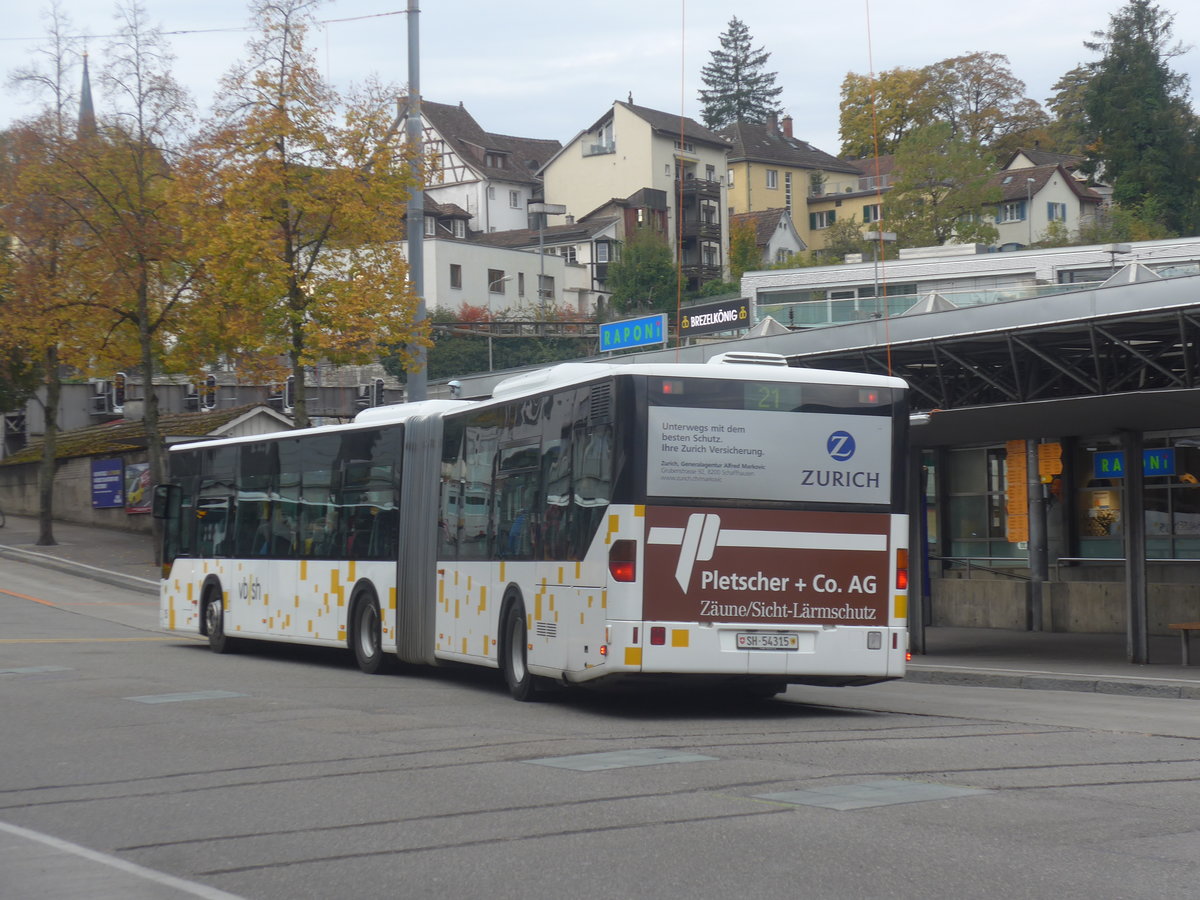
{"x": 902, "y": 569}
{"x": 622, "y": 561}
{"x": 658, "y": 635}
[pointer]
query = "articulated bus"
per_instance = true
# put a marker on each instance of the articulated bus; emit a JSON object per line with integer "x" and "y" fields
{"x": 738, "y": 521}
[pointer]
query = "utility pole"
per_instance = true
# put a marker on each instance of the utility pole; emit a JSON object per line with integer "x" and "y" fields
{"x": 417, "y": 386}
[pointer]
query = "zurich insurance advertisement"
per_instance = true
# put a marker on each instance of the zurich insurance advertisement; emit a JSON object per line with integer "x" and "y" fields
{"x": 767, "y": 566}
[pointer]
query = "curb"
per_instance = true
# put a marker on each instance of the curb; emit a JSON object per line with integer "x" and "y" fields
{"x": 1083, "y": 683}
{"x": 116, "y": 579}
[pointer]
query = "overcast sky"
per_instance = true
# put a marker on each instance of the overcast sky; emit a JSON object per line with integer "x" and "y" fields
{"x": 549, "y": 68}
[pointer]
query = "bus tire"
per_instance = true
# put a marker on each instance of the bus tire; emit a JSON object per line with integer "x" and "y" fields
{"x": 214, "y": 623}
{"x": 514, "y": 642}
{"x": 366, "y": 634}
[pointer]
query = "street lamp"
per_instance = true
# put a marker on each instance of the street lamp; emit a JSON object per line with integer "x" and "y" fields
{"x": 876, "y": 238}
{"x": 1029, "y": 206}
{"x": 544, "y": 209}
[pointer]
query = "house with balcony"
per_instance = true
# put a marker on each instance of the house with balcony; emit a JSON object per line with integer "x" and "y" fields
{"x": 493, "y": 177}
{"x": 633, "y": 155}
{"x": 770, "y": 168}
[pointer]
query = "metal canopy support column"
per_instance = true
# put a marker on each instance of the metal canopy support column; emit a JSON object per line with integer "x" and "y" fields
{"x": 918, "y": 548}
{"x": 1133, "y": 522}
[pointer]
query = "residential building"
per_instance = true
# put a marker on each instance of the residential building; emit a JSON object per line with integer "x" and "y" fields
{"x": 493, "y": 177}
{"x": 1033, "y": 197}
{"x": 770, "y": 168}
{"x": 636, "y": 153}
{"x": 775, "y": 234}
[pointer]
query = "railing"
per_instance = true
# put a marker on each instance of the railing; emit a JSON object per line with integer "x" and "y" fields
{"x": 971, "y": 564}
{"x": 822, "y": 311}
{"x": 599, "y": 149}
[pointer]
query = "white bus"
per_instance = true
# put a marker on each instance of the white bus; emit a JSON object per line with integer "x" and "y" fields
{"x": 589, "y": 522}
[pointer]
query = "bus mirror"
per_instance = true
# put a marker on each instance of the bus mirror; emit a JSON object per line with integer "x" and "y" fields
{"x": 164, "y": 498}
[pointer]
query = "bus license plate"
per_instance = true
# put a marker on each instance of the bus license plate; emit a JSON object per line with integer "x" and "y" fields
{"x": 767, "y": 640}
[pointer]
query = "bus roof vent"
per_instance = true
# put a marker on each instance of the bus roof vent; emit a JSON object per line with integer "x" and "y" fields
{"x": 600, "y": 398}
{"x": 749, "y": 359}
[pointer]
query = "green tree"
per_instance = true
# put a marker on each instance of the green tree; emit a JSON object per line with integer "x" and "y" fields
{"x": 744, "y": 255}
{"x": 1138, "y": 109}
{"x": 940, "y": 191}
{"x": 842, "y": 238}
{"x": 305, "y": 191}
{"x": 736, "y": 89}
{"x": 1068, "y": 129}
{"x": 645, "y": 278}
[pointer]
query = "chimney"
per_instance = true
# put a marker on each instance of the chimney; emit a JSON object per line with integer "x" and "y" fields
{"x": 773, "y": 121}
{"x": 787, "y": 126}
{"x": 570, "y": 220}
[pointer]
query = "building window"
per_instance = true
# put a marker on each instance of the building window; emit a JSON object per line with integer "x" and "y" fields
{"x": 977, "y": 513}
{"x": 710, "y": 255}
{"x": 601, "y": 251}
{"x": 496, "y": 281}
{"x": 871, "y": 212}
{"x": 1012, "y": 211}
{"x": 460, "y": 228}
{"x": 710, "y": 173}
{"x": 1056, "y": 212}
{"x": 730, "y": 173}
{"x": 430, "y": 226}
{"x": 491, "y": 192}
{"x": 546, "y": 287}
{"x": 772, "y": 179}
{"x": 787, "y": 191}
{"x": 495, "y": 160}
{"x": 456, "y": 276}
{"x": 782, "y": 254}
{"x": 514, "y": 199}
{"x": 686, "y": 146}
{"x": 521, "y": 284}
{"x": 571, "y": 253}
{"x": 822, "y": 219}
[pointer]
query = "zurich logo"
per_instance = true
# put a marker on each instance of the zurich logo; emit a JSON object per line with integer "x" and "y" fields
{"x": 840, "y": 445}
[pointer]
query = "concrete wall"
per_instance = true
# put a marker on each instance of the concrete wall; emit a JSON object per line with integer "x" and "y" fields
{"x": 72, "y": 495}
{"x": 1094, "y": 607}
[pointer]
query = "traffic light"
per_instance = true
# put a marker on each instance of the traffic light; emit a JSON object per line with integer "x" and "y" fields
{"x": 209, "y": 399}
{"x": 289, "y": 392}
{"x": 118, "y": 392}
{"x": 377, "y": 392}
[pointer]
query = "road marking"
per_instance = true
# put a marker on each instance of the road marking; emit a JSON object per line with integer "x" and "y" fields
{"x": 180, "y": 698}
{"x": 35, "y": 670}
{"x": 868, "y": 794}
{"x": 179, "y": 884}
{"x": 83, "y": 640}
{"x": 619, "y": 759}
{"x": 26, "y": 597}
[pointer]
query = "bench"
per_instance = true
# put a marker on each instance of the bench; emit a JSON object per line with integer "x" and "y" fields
{"x": 1185, "y": 630}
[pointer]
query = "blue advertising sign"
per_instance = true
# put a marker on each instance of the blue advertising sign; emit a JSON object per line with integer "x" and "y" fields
{"x": 1155, "y": 463}
{"x": 108, "y": 483}
{"x": 633, "y": 332}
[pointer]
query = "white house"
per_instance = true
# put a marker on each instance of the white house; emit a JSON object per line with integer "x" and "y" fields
{"x": 490, "y": 176}
{"x": 775, "y": 234}
{"x": 675, "y": 162}
{"x": 1033, "y": 197}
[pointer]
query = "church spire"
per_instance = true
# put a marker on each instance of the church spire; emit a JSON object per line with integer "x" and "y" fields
{"x": 87, "y": 113}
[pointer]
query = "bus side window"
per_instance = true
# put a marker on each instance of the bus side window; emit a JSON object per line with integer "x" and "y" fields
{"x": 593, "y": 453}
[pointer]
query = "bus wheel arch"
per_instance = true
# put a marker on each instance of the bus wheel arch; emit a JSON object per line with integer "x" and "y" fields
{"x": 364, "y": 631}
{"x": 212, "y": 616}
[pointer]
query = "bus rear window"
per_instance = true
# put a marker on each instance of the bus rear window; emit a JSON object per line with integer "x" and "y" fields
{"x": 770, "y": 396}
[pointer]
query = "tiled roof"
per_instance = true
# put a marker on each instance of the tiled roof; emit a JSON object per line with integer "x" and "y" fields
{"x": 1017, "y": 184}
{"x": 884, "y": 164}
{"x": 472, "y": 143}
{"x": 669, "y": 123}
{"x": 1046, "y": 158}
{"x": 124, "y": 436}
{"x": 765, "y": 222}
{"x": 766, "y": 143}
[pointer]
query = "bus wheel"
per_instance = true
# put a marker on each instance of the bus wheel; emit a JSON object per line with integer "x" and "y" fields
{"x": 214, "y": 624}
{"x": 366, "y": 635}
{"x": 521, "y": 684}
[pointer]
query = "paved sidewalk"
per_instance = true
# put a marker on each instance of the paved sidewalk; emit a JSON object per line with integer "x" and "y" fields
{"x": 966, "y": 656}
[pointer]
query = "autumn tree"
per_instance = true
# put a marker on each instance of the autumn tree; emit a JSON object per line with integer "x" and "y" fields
{"x": 736, "y": 88}
{"x": 744, "y": 255}
{"x": 140, "y": 275}
{"x": 1137, "y": 107}
{"x": 876, "y": 113}
{"x": 304, "y": 195}
{"x": 44, "y": 252}
{"x": 940, "y": 191}
{"x": 645, "y": 278}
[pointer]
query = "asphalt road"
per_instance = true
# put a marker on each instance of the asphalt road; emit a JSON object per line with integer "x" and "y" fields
{"x": 285, "y": 773}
